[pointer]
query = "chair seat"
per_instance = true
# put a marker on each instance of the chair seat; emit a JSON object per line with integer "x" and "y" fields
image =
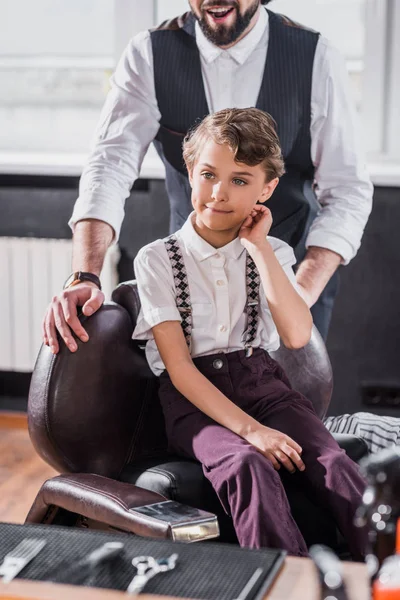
{"x": 175, "y": 478}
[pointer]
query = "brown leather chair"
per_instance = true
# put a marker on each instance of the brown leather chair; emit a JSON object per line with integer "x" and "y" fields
{"x": 95, "y": 417}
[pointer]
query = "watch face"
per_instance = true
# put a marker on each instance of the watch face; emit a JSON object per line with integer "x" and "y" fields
{"x": 70, "y": 280}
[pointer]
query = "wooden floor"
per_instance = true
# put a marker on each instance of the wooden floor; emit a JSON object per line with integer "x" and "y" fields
{"x": 22, "y": 472}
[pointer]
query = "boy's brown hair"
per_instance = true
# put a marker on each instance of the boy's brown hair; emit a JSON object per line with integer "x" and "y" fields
{"x": 249, "y": 133}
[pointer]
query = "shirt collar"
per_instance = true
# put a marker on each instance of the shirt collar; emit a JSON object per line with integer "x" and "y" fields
{"x": 241, "y": 51}
{"x": 201, "y": 249}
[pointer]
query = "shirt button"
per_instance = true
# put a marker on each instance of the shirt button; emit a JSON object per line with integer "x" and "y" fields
{"x": 220, "y": 282}
{"x": 218, "y": 363}
{"x": 222, "y": 328}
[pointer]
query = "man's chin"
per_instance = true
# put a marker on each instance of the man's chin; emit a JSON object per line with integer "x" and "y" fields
{"x": 220, "y": 34}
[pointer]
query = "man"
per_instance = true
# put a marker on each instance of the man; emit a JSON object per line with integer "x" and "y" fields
{"x": 215, "y": 57}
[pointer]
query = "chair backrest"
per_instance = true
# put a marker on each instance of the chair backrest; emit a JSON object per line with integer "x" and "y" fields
{"x": 97, "y": 410}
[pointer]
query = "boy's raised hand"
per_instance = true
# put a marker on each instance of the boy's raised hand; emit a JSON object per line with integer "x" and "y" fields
{"x": 255, "y": 228}
{"x": 278, "y": 447}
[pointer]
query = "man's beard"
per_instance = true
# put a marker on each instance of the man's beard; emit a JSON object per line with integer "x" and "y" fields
{"x": 222, "y": 35}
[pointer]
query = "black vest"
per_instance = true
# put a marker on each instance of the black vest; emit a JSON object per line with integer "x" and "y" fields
{"x": 285, "y": 93}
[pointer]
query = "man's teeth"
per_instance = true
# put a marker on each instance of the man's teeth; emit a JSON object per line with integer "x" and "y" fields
{"x": 220, "y": 12}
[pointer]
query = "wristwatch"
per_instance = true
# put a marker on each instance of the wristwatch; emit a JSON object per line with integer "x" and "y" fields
{"x": 79, "y": 276}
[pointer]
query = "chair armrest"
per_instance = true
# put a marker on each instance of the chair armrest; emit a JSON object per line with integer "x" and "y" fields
{"x": 123, "y": 506}
{"x": 355, "y": 447}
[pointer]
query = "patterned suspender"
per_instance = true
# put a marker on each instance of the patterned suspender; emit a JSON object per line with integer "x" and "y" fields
{"x": 181, "y": 286}
{"x": 252, "y": 304}
{"x": 183, "y": 294}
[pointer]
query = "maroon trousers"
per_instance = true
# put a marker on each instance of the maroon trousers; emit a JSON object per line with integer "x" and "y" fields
{"x": 248, "y": 486}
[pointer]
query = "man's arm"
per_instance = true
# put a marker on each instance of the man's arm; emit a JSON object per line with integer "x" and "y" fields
{"x": 315, "y": 271}
{"x": 128, "y": 123}
{"x": 343, "y": 186}
{"x": 91, "y": 241}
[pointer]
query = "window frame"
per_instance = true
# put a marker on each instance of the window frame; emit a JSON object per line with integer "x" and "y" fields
{"x": 381, "y": 81}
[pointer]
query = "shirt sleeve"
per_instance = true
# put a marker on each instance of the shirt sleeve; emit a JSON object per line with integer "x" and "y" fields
{"x": 343, "y": 187}
{"x": 156, "y": 290}
{"x": 129, "y": 121}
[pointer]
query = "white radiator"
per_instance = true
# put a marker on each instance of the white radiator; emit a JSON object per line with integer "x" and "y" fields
{"x": 32, "y": 271}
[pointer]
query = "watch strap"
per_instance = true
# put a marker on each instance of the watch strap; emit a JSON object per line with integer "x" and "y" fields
{"x": 79, "y": 276}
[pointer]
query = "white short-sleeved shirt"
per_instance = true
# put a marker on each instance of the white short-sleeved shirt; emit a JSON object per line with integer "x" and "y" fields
{"x": 217, "y": 283}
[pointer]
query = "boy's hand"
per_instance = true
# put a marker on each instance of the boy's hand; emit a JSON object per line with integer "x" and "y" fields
{"x": 254, "y": 230}
{"x": 278, "y": 447}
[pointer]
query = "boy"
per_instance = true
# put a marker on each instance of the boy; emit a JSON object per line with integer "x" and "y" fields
{"x": 216, "y": 297}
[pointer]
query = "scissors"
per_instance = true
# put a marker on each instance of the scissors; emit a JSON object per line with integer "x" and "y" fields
{"x": 147, "y": 567}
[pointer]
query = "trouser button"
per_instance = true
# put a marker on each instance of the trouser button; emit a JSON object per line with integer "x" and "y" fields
{"x": 218, "y": 363}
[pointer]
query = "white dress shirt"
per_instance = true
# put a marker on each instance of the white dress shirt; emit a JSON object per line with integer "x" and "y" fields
{"x": 217, "y": 283}
{"x": 130, "y": 121}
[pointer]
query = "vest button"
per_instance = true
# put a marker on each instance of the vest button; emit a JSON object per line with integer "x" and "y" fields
{"x": 218, "y": 363}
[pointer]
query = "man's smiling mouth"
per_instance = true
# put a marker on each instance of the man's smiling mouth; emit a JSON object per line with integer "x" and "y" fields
{"x": 219, "y": 14}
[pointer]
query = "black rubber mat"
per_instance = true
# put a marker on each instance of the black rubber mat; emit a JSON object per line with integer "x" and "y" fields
{"x": 204, "y": 571}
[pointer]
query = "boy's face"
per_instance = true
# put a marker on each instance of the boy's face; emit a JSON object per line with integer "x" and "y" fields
{"x": 224, "y": 192}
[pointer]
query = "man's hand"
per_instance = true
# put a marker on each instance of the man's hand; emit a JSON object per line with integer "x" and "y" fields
{"x": 62, "y": 314}
{"x": 315, "y": 271}
{"x": 278, "y": 447}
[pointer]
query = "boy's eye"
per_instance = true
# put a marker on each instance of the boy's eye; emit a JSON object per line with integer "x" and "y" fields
{"x": 207, "y": 175}
{"x": 239, "y": 182}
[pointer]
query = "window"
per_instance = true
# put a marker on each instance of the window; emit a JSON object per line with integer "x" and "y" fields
{"x": 342, "y": 22}
{"x": 55, "y": 59}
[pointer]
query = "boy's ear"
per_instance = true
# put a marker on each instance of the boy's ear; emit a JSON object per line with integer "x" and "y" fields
{"x": 190, "y": 175}
{"x": 268, "y": 190}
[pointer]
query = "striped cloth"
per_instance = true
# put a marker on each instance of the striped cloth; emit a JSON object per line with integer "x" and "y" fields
{"x": 378, "y": 432}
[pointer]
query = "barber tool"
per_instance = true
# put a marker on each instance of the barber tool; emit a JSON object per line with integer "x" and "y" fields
{"x": 330, "y": 571}
{"x": 387, "y": 583}
{"x": 19, "y": 557}
{"x": 148, "y": 567}
{"x": 380, "y": 509}
{"x": 84, "y": 571}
